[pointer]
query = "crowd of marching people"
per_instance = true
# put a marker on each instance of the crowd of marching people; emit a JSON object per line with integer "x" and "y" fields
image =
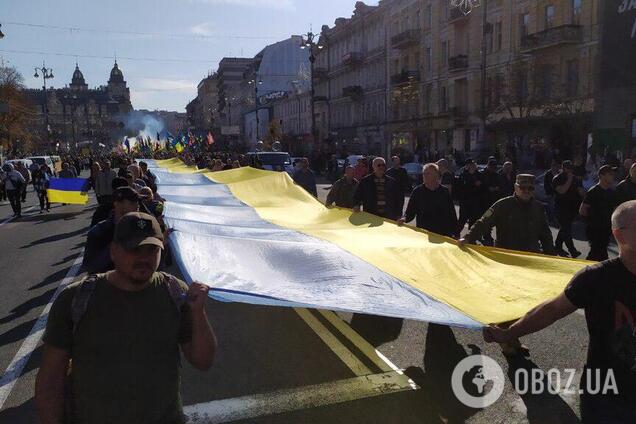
{"x": 127, "y": 251}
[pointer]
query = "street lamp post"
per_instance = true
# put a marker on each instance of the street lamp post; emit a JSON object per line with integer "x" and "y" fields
{"x": 256, "y": 84}
{"x": 310, "y": 41}
{"x": 47, "y": 73}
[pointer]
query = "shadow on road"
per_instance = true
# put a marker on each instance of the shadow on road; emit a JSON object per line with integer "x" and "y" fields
{"x": 375, "y": 329}
{"x": 17, "y": 333}
{"x": 48, "y": 217}
{"x": 25, "y": 307}
{"x": 56, "y": 237}
{"x": 442, "y": 354}
{"x": 544, "y": 408}
{"x": 65, "y": 260}
{"x": 24, "y": 413}
{"x": 56, "y": 277}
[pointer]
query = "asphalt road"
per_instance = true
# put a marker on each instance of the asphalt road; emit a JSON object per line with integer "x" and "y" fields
{"x": 278, "y": 365}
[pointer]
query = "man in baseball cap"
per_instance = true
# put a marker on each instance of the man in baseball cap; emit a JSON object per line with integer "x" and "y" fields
{"x": 597, "y": 209}
{"x": 96, "y": 256}
{"x": 138, "y": 229}
{"x": 522, "y": 225}
{"x": 128, "y": 339}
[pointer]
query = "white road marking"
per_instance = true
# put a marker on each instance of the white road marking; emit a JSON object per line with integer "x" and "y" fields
{"x": 341, "y": 351}
{"x": 246, "y": 407}
{"x": 30, "y": 343}
{"x": 11, "y": 218}
{"x": 365, "y": 347}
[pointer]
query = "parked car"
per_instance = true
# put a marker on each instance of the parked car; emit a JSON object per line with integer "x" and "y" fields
{"x": 44, "y": 160}
{"x": 26, "y": 162}
{"x": 271, "y": 161}
{"x": 414, "y": 170}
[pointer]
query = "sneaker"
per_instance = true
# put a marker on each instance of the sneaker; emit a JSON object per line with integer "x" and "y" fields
{"x": 575, "y": 254}
{"x": 562, "y": 253}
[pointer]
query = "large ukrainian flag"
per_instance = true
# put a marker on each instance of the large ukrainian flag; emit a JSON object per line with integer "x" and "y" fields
{"x": 68, "y": 190}
{"x": 256, "y": 237}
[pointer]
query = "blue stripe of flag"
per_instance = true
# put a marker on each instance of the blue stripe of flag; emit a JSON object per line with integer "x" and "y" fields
{"x": 69, "y": 184}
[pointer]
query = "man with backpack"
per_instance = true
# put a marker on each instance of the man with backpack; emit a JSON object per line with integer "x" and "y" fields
{"x": 123, "y": 332}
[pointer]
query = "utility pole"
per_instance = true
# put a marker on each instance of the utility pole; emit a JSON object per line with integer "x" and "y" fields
{"x": 47, "y": 73}
{"x": 310, "y": 41}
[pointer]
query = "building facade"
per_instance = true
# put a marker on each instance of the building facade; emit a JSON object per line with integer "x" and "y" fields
{"x": 350, "y": 79}
{"x": 77, "y": 113}
{"x": 230, "y": 76}
{"x": 292, "y": 114}
{"x": 420, "y": 77}
{"x": 279, "y": 69}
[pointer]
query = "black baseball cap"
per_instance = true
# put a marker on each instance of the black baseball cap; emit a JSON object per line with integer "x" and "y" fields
{"x": 119, "y": 182}
{"x": 125, "y": 193}
{"x": 606, "y": 169}
{"x": 138, "y": 229}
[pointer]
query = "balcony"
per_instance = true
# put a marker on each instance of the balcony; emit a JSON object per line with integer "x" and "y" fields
{"x": 405, "y": 39}
{"x": 353, "y": 91}
{"x": 458, "y": 63}
{"x": 456, "y": 15}
{"x": 320, "y": 73}
{"x": 564, "y": 34}
{"x": 458, "y": 113}
{"x": 352, "y": 59}
{"x": 405, "y": 77}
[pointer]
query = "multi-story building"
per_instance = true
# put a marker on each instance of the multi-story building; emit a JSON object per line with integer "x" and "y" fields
{"x": 77, "y": 113}
{"x": 351, "y": 82}
{"x": 230, "y": 75}
{"x": 280, "y": 68}
{"x": 416, "y": 73}
{"x": 203, "y": 111}
{"x": 292, "y": 113}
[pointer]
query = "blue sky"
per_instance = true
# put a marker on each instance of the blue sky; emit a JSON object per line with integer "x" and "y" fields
{"x": 176, "y": 26}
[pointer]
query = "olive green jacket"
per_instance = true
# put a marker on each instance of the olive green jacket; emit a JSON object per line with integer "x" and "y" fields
{"x": 520, "y": 226}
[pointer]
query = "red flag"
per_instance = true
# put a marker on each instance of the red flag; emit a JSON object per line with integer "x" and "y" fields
{"x": 210, "y": 138}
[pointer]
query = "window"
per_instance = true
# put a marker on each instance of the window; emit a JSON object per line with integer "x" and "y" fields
{"x": 498, "y": 89}
{"x": 429, "y": 59}
{"x": 429, "y": 16}
{"x": 546, "y": 76}
{"x": 549, "y": 16}
{"x": 524, "y": 21}
{"x": 444, "y": 54}
{"x": 576, "y": 12}
{"x": 489, "y": 40}
{"x": 498, "y": 36}
{"x": 572, "y": 84}
{"x": 443, "y": 100}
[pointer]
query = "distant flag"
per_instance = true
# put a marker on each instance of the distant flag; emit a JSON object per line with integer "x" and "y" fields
{"x": 127, "y": 144}
{"x": 210, "y": 138}
{"x": 179, "y": 147}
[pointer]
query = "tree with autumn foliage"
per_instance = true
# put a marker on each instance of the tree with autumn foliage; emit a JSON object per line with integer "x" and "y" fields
{"x": 16, "y": 112}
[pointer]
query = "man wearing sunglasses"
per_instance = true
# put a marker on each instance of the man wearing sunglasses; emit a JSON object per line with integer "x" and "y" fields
{"x": 378, "y": 193}
{"x": 520, "y": 220}
{"x": 522, "y": 225}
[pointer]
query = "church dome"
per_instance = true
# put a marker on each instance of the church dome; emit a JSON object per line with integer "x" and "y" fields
{"x": 115, "y": 75}
{"x": 78, "y": 77}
